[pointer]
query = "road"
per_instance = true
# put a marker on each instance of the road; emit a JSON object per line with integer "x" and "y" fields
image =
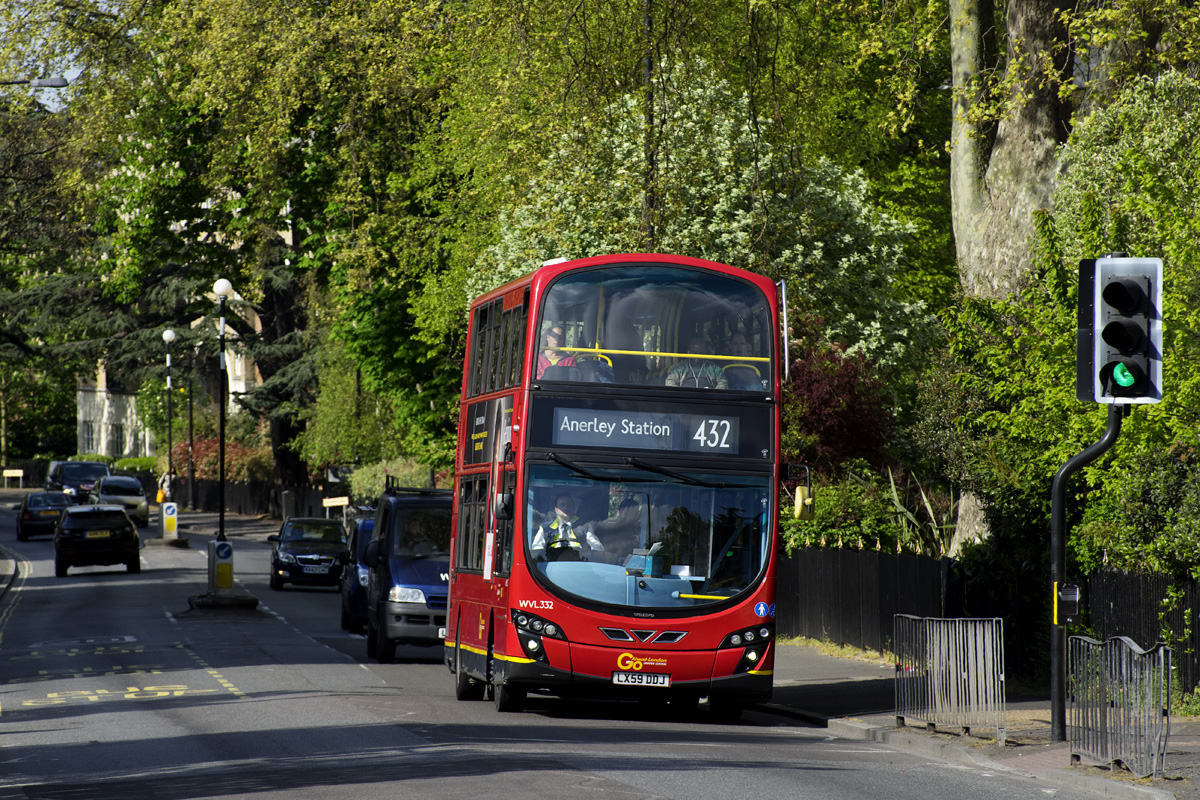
{"x": 112, "y": 687}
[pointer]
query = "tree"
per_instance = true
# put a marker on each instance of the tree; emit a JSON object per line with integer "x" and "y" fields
{"x": 725, "y": 195}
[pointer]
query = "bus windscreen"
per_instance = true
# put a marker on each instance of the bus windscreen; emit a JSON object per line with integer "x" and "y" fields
{"x": 630, "y": 537}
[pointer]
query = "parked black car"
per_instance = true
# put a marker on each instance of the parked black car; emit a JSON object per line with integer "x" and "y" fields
{"x": 38, "y": 513}
{"x": 95, "y": 536}
{"x": 75, "y": 478}
{"x": 306, "y": 552}
{"x": 355, "y": 575}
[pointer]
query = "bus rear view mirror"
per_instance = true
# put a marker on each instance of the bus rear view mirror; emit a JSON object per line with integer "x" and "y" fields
{"x": 804, "y": 503}
{"x": 504, "y": 506}
{"x": 804, "y": 493}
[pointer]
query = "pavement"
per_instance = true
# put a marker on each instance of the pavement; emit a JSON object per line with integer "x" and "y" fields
{"x": 853, "y": 698}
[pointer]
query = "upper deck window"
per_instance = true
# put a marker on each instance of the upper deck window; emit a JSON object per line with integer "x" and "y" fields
{"x": 655, "y": 325}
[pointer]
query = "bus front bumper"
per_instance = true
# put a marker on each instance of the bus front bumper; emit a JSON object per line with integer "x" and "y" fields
{"x": 751, "y": 687}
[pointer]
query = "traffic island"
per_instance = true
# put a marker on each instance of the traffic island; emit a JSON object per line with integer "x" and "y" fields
{"x": 220, "y": 581}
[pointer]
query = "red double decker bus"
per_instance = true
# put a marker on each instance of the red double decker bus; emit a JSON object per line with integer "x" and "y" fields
{"x": 616, "y": 485}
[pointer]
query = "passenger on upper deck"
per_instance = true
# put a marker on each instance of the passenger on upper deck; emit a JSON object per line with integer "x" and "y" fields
{"x": 742, "y": 375}
{"x": 699, "y": 373}
{"x": 552, "y": 355}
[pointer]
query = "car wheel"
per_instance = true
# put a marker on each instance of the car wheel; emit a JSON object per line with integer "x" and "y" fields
{"x": 60, "y": 568}
{"x": 386, "y": 649}
{"x": 372, "y": 640}
{"x": 134, "y": 565}
{"x": 508, "y": 698}
{"x": 21, "y": 537}
{"x": 276, "y": 582}
{"x": 465, "y": 687}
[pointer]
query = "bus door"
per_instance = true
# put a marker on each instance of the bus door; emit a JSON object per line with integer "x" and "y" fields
{"x": 502, "y": 504}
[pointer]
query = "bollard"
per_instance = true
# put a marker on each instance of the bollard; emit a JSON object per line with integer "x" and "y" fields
{"x": 220, "y": 569}
{"x": 168, "y": 520}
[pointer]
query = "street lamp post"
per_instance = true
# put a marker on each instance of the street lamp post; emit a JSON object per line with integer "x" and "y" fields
{"x": 222, "y": 288}
{"x": 168, "y": 336}
{"x": 38, "y": 83}
{"x": 191, "y": 441}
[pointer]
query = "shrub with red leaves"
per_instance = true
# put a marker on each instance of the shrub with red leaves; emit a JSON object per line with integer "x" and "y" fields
{"x": 836, "y": 409}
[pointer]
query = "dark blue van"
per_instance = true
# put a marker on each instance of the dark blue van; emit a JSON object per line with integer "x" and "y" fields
{"x": 408, "y": 561}
{"x": 355, "y": 575}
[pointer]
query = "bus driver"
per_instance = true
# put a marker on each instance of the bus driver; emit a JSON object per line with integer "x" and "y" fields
{"x": 564, "y": 538}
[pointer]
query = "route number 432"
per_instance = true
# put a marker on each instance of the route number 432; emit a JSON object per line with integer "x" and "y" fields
{"x": 713, "y": 434}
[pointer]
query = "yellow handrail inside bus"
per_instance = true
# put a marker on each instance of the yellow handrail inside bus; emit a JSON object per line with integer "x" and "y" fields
{"x": 698, "y": 596}
{"x": 708, "y": 356}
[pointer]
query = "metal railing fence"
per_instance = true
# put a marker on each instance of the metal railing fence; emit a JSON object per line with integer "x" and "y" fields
{"x": 1120, "y": 698}
{"x": 950, "y": 672}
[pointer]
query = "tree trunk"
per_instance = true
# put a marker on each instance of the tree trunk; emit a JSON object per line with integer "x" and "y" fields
{"x": 1001, "y": 173}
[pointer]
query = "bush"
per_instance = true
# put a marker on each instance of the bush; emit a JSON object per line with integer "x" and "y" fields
{"x": 369, "y": 480}
{"x": 836, "y": 411}
{"x": 91, "y": 457}
{"x": 142, "y": 464}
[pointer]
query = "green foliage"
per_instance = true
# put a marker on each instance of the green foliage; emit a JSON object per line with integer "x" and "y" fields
{"x": 91, "y": 457}
{"x": 723, "y": 193}
{"x": 863, "y": 510}
{"x": 369, "y": 480}
{"x": 140, "y": 464}
{"x": 1146, "y": 517}
{"x": 348, "y": 424}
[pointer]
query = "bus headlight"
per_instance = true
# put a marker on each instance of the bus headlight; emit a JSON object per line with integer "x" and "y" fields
{"x": 531, "y": 629}
{"x": 748, "y": 635}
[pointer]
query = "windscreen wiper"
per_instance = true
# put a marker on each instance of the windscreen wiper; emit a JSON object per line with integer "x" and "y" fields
{"x": 670, "y": 473}
{"x": 585, "y": 472}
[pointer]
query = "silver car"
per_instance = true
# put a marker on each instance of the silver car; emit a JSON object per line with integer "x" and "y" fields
{"x": 123, "y": 490}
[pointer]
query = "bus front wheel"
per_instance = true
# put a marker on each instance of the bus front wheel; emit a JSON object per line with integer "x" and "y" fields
{"x": 725, "y": 709}
{"x": 465, "y": 687}
{"x": 508, "y": 697}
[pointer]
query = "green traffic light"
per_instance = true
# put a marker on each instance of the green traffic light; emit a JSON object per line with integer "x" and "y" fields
{"x": 1122, "y": 376}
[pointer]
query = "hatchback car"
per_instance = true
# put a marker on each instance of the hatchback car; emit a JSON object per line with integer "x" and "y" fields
{"x": 95, "y": 536}
{"x": 123, "y": 490}
{"x": 355, "y": 575}
{"x": 306, "y": 552}
{"x": 38, "y": 513}
{"x": 75, "y": 478}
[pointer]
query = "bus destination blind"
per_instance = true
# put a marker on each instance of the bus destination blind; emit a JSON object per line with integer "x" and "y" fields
{"x": 693, "y": 433}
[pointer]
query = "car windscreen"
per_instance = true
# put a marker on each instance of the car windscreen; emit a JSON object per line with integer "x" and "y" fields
{"x": 48, "y": 500}
{"x": 82, "y": 472}
{"x": 314, "y": 531}
{"x": 95, "y": 519}
{"x": 129, "y": 488}
{"x": 421, "y": 532}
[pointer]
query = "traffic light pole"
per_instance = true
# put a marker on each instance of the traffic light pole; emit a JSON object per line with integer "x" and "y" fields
{"x": 1058, "y": 567}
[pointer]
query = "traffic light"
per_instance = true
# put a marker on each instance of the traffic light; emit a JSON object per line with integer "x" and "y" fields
{"x": 1119, "y": 350}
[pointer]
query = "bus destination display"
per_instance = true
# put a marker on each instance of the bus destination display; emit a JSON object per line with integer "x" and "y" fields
{"x": 695, "y": 433}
